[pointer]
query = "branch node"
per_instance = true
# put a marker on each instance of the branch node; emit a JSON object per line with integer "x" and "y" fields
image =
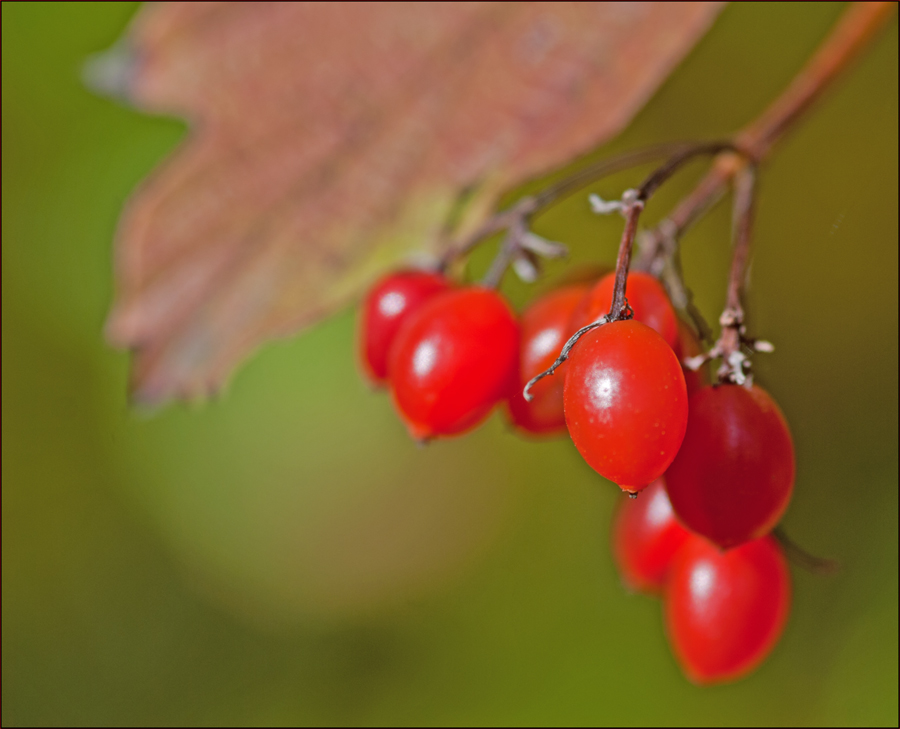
{"x": 695, "y": 363}
{"x": 604, "y": 207}
{"x": 543, "y": 247}
{"x": 629, "y": 199}
{"x": 732, "y": 317}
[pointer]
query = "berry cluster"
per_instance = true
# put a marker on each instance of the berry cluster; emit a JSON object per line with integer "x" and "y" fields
{"x": 719, "y": 480}
{"x": 724, "y": 610}
{"x": 449, "y": 353}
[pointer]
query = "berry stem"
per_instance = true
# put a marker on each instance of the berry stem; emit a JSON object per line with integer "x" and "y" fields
{"x": 736, "y": 366}
{"x": 799, "y": 556}
{"x": 633, "y": 204}
{"x": 732, "y": 318}
{"x": 678, "y": 160}
{"x": 619, "y": 308}
{"x": 563, "y": 356}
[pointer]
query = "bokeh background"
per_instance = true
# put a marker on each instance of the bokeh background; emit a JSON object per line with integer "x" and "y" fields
{"x": 287, "y": 555}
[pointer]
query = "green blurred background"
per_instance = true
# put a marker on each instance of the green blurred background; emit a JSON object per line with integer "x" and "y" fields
{"x": 287, "y": 555}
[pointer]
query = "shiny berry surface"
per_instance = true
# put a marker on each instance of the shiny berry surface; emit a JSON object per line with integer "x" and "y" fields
{"x": 626, "y": 403}
{"x": 387, "y": 305}
{"x": 453, "y": 360}
{"x": 647, "y": 298}
{"x": 725, "y": 611}
{"x": 733, "y": 478}
{"x": 546, "y": 326}
{"x": 645, "y": 538}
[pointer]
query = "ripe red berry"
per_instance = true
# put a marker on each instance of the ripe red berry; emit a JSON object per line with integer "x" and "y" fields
{"x": 733, "y": 477}
{"x": 689, "y": 345}
{"x": 647, "y": 298}
{"x": 453, "y": 360}
{"x": 385, "y": 308}
{"x": 626, "y": 403}
{"x": 546, "y": 326}
{"x": 725, "y": 611}
{"x": 645, "y": 538}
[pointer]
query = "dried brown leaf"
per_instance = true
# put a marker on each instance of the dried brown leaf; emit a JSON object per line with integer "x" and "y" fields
{"x": 329, "y": 141}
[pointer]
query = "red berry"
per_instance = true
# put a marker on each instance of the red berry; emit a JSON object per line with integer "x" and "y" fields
{"x": 647, "y": 298}
{"x": 645, "y": 538}
{"x": 732, "y": 479}
{"x": 385, "y": 308}
{"x": 626, "y": 403}
{"x": 725, "y": 611}
{"x": 689, "y": 345}
{"x": 546, "y": 325}
{"x": 453, "y": 360}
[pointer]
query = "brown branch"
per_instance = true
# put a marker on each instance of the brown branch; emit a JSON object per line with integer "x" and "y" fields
{"x": 851, "y": 35}
{"x": 619, "y": 308}
{"x": 799, "y": 556}
{"x": 632, "y": 205}
{"x": 732, "y": 319}
{"x": 527, "y": 207}
{"x": 736, "y": 365}
{"x": 516, "y": 219}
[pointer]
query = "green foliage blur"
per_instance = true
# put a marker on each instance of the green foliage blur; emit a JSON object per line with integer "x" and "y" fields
{"x": 286, "y": 555}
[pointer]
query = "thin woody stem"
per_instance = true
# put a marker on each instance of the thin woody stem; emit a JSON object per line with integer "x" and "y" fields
{"x": 799, "y": 556}
{"x": 732, "y": 319}
{"x": 619, "y": 307}
{"x": 516, "y": 218}
{"x": 531, "y": 205}
{"x": 851, "y": 35}
{"x": 744, "y": 208}
{"x": 609, "y": 166}
{"x": 634, "y": 205}
{"x": 678, "y": 160}
{"x": 631, "y": 206}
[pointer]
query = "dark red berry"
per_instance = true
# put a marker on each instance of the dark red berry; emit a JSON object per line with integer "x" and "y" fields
{"x": 385, "y": 308}
{"x": 625, "y": 403}
{"x": 453, "y": 360}
{"x": 647, "y": 298}
{"x": 725, "y": 611}
{"x": 546, "y": 326}
{"x": 645, "y": 538}
{"x": 733, "y": 477}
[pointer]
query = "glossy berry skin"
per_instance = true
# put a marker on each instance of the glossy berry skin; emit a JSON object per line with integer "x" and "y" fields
{"x": 689, "y": 345}
{"x": 453, "y": 360}
{"x": 725, "y": 611}
{"x": 645, "y": 539}
{"x": 648, "y": 301}
{"x": 387, "y": 305}
{"x": 546, "y": 326}
{"x": 626, "y": 403}
{"x": 733, "y": 478}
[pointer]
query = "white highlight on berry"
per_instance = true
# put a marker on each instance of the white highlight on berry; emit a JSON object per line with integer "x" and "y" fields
{"x": 424, "y": 358}
{"x": 659, "y": 511}
{"x": 702, "y": 581}
{"x": 392, "y": 304}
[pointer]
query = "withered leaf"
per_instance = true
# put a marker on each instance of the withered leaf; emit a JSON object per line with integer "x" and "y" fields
{"x": 329, "y": 141}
